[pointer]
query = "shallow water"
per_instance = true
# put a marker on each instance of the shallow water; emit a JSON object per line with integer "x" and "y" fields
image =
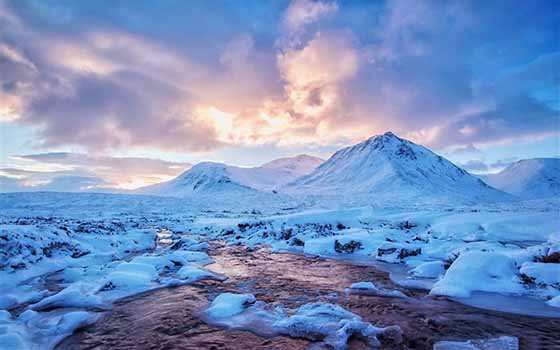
{"x": 169, "y": 318}
{"x": 512, "y": 304}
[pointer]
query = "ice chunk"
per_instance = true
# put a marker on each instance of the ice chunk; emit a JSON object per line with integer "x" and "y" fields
{"x": 79, "y": 294}
{"x": 368, "y": 288}
{"x": 27, "y": 315}
{"x": 69, "y": 322}
{"x": 554, "y": 301}
{"x": 186, "y": 256}
{"x": 7, "y": 301}
{"x": 193, "y": 274}
{"x": 12, "y": 341}
{"x": 132, "y": 275}
{"x": 5, "y": 316}
{"x": 229, "y": 304}
{"x": 479, "y": 271}
{"x": 355, "y": 241}
{"x": 364, "y": 285}
{"x": 431, "y": 269}
{"x": 159, "y": 262}
{"x": 332, "y": 324}
{"x": 541, "y": 273}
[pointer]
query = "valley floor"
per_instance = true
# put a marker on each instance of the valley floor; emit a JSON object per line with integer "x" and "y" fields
{"x": 83, "y": 271}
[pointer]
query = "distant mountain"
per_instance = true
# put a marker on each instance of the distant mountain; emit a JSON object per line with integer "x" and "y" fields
{"x": 297, "y": 166}
{"x": 389, "y": 166}
{"x": 529, "y": 178}
{"x": 213, "y": 178}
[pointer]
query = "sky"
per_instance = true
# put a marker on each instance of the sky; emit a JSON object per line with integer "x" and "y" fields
{"x": 129, "y": 93}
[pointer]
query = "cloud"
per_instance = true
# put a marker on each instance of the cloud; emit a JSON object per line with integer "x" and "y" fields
{"x": 88, "y": 95}
{"x": 475, "y": 166}
{"x": 502, "y": 163}
{"x": 519, "y": 105}
{"x": 314, "y": 78}
{"x": 105, "y": 89}
{"x": 59, "y": 168}
{"x": 512, "y": 119}
{"x": 468, "y": 149}
{"x": 448, "y": 74}
{"x": 13, "y": 54}
{"x": 304, "y": 12}
{"x": 58, "y": 184}
{"x": 314, "y": 73}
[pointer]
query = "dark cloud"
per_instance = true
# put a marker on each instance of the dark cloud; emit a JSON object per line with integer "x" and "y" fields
{"x": 518, "y": 117}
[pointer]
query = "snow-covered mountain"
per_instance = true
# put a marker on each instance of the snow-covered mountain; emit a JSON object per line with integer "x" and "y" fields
{"x": 529, "y": 178}
{"x": 213, "y": 178}
{"x": 391, "y": 167}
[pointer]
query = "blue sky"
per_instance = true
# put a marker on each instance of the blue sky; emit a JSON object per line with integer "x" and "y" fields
{"x": 164, "y": 83}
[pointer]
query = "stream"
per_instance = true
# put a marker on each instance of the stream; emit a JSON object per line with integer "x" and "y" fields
{"x": 170, "y": 318}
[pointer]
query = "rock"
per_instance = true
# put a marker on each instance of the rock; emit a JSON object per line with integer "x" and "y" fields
{"x": 349, "y": 247}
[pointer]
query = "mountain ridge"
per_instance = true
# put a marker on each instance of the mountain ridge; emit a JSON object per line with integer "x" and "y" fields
{"x": 531, "y": 178}
{"x": 213, "y": 177}
{"x": 382, "y": 166}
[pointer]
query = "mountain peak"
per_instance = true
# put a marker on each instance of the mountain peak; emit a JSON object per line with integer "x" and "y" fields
{"x": 389, "y": 164}
{"x": 389, "y": 145}
{"x": 388, "y": 136}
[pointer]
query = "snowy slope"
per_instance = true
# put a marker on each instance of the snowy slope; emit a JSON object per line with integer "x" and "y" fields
{"x": 206, "y": 177}
{"x": 297, "y": 166}
{"x": 529, "y": 178}
{"x": 212, "y": 178}
{"x": 388, "y": 166}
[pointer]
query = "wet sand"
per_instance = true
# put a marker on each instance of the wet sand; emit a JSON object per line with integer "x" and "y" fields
{"x": 167, "y": 318}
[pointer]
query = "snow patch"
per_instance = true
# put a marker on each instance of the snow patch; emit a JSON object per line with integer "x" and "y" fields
{"x": 479, "y": 271}
{"x": 229, "y": 304}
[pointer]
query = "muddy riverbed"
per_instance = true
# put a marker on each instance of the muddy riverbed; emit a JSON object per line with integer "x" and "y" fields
{"x": 169, "y": 318}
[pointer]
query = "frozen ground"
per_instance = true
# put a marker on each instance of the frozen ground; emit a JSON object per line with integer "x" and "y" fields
{"x": 67, "y": 258}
